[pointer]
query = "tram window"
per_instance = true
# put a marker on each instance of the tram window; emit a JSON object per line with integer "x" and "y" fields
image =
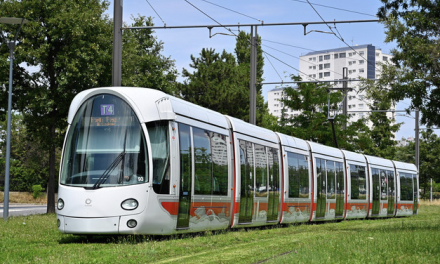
{"x": 202, "y": 162}
{"x": 406, "y": 187}
{"x": 273, "y": 170}
{"x": 383, "y": 182}
{"x": 105, "y": 144}
{"x": 260, "y": 170}
{"x": 294, "y": 174}
{"x": 159, "y": 139}
{"x": 331, "y": 179}
{"x": 391, "y": 190}
{"x": 219, "y": 163}
{"x": 358, "y": 182}
{"x": 303, "y": 176}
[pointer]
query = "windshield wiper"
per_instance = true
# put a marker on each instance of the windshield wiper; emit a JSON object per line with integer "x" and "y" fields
{"x": 112, "y": 166}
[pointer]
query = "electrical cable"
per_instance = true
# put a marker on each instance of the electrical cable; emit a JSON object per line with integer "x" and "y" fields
{"x": 165, "y": 24}
{"x": 274, "y": 68}
{"x": 232, "y": 10}
{"x": 336, "y": 8}
{"x": 340, "y": 38}
{"x": 287, "y": 45}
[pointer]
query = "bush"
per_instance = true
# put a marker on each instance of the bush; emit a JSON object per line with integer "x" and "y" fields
{"x": 36, "y": 191}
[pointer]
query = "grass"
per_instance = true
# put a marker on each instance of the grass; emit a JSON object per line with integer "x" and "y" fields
{"x": 24, "y": 197}
{"x": 32, "y": 239}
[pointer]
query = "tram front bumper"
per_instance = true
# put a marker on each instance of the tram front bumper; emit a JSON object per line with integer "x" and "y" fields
{"x": 73, "y": 225}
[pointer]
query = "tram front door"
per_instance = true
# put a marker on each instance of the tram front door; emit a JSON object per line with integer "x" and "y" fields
{"x": 185, "y": 177}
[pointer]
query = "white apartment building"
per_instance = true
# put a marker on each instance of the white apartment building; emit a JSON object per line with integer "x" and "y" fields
{"x": 361, "y": 61}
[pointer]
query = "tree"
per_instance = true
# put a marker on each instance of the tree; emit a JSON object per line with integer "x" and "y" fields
{"x": 413, "y": 25}
{"x": 69, "y": 43}
{"x": 220, "y": 82}
{"x": 312, "y": 122}
{"x": 29, "y": 161}
{"x": 143, "y": 65}
{"x": 383, "y": 128}
{"x": 429, "y": 158}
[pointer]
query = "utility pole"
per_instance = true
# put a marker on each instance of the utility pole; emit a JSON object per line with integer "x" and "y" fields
{"x": 344, "y": 86}
{"x": 253, "y": 88}
{"x": 117, "y": 43}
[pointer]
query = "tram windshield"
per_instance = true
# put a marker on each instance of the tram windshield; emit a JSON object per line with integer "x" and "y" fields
{"x": 105, "y": 146}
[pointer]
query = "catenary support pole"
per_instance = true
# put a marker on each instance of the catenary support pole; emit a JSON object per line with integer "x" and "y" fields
{"x": 253, "y": 76}
{"x": 344, "y": 85}
{"x": 117, "y": 43}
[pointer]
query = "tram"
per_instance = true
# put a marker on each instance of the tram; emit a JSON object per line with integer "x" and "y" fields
{"x": 139, "y": 161}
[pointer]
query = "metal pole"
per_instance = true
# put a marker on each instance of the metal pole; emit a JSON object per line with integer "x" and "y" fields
{"x": 417, "y": 139}
{"x": 11, "y": 45}
{"x": 253, "y": 75}
{"x": 117, "y": 43}
{"x": 344, "y": 85}
{"x": 430, "y": 196}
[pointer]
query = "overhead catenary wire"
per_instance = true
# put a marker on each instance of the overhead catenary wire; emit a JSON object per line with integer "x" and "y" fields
{"x": 340, "y": 37}
{"x": 274, "y": 68}
{"x": 336, "y": 8}
{"x": 165, "y": 24}
{"x": 232, "y": 10}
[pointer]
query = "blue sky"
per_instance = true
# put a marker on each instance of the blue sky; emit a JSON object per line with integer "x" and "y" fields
{"x": 180, "y": 44}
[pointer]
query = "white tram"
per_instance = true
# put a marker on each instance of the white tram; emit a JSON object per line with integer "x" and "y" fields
{"x": 138, "y": 161}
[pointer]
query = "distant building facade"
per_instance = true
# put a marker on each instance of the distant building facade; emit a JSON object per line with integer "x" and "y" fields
{"x": 361, "y": 61}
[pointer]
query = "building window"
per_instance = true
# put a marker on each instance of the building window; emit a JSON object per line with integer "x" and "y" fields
{"x": 327, "y": 65}
{"x": 354, "y": 62}
{"x": 361, "y": 61}
{"x": 326, "y": 57}
{"x": 336, "y": 55}
{"x": 350, "y": 63}
{"x": 314, "y": 67}
{"x": 377, "y": 53}
{"x": 320, "y": 58}
{"x": 361, "y": 70}
{"x": 350, "y": 71}
{"x": 350, "y": 54}
{"x": 385, "y": 58}
{"x": 361, "y": 97}
{"x": 320, "y": 75}
{"x": 342, "y": 55}
{"x": 326, "y": 74}
{"x": 310, "y": 67}
{"x": 361, "y": 53}
{"x": 354, "y": 70}
{"x": 361, "y": 106}
{"x": 310, "y": 59}
{"x": 320, "y": 66}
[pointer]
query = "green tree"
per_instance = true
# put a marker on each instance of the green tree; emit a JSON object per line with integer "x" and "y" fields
{"x": 69, "y": 44}
{"x": 429, "y": 158}
{"x": 312, "y": 123}
{"x": 220, "y": 82}
{"x": 383, "y": 128}
{"x": 413, "y": 25}
{"x": 29, "y": 161}
{"x": 216, "y": 83}
{"x": 143, "y": 65}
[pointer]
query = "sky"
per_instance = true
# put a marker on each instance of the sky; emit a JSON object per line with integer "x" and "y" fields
{"x": 286, "y": 43}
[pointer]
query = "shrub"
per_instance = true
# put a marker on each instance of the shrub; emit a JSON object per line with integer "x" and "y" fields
{"x": 36, "y": 191}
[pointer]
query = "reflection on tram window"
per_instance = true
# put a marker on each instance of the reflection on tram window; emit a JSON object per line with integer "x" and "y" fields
{"x": 383, "y": 183}
{"x": 298, "y": 175}
{"x": 260, "y": 171}
{"x": 211, "y": 163}
{"x": 331, "y": 179}
{"x": 406, "y": 187}
{"x": 159, "y": 140}
{"x": 106, "y": 145}
{"x": 358, "y": 182}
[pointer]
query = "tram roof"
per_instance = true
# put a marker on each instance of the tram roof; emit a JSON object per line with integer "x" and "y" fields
{"x": 150, "y": 105}
{"x": 248, "y": 129}
{"x": 325, "y": 150}
{"x": 379, "y": 161}
{"x": 405, "y": 166}
{"x": 353, "y": 156}
{"x": 293, "y": 142}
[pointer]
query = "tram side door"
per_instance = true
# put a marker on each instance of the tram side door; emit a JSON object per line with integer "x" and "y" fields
{"x": 340, "y": 187}
{"x": 321, "y": 189}
{"x": 247, "y": 182}
{"x": 185, "y": 187}
{"x": 376, "y": 191}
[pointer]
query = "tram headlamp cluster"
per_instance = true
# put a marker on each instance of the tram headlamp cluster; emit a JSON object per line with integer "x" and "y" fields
{"x": 60, "y": 204}
{"x": 129, "y": 204}
{"x": 132, "y": 223}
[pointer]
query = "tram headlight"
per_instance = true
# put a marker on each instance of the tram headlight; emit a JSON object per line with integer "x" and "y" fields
{"x": 129, "y": 204}
{"x": 60, "y": 204}
{"x": 132, "y": 223}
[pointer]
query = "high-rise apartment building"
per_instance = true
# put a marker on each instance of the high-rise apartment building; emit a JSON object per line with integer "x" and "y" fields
{"x": 325, "y": 65}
